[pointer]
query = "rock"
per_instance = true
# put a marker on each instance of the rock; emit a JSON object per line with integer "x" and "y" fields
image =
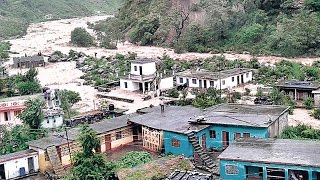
{"x": 54, "y": 58}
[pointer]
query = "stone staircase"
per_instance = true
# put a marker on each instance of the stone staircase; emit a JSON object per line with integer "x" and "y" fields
{"x": 206, "y": 159}
{"x": 55, "y": 161}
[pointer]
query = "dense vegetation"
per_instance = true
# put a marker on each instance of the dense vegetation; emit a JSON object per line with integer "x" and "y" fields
{"x": 301, "y": 132}
{"x": 4, "y": 48}
{"x": 15, "y": 139}
{"x": 68, "y": 99}
{"x": 21, "y": 84}
{"x": 80, "y": 37}
{"x": 284, "y": 27}
{"x": 17, "y": 14}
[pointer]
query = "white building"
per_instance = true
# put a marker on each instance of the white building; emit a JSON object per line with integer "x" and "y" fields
{"x": 19, "y": 164}
{"x": 53, "y": 118}
{"x": 205, "y": 79}
{"x": 143, "y": 77}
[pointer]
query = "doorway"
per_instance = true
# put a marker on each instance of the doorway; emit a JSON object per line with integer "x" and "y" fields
{"x": 2, "y": 172}
{"x": 108, "y": 142}
{"x": 137, "y": 130}
{"x": 225, "y": 138}
{"x": 140, "y": 87}
{"x": 188, "y": 82}
{"x": 203, "y": 141}
{"x": 31, "y": 165}
{"x": 205, "y": 83}
{"x": 200, "y": 83}
{"x": 238, "y": 80}
{"x": 242, "y": 81}
{"x": 140, "y": 70}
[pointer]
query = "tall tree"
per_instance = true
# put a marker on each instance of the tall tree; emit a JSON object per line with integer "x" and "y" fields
{"x": 68, "y": 99}
{"x": 33, "y": 114}
{"x": 88, "y": 165}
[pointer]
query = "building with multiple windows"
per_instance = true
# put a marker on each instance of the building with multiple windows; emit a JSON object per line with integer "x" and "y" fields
{"x": 271, "y": 159}
{"x": 205, "y": 79}
{"x": 144, "y": 77}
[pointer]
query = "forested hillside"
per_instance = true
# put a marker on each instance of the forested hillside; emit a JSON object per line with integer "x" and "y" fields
{"x": 15, "y": 15}
{"x": 279, "y": 27}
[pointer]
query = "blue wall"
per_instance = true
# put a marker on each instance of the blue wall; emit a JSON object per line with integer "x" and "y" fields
{"x": 187, "y": 149}
{"x": 217, "y": 142}
{"x": 242, "y": 171}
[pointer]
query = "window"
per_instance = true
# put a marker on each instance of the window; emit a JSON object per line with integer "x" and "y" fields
{"x": 232, "y": 79}
{"x": 54, "y": 120}
{"x": 231, "y": 169}
{"x": 212, "y": 133}
{"x": 246, "y": 135}
{"x": 16, "y": 113}
{"x": 211, "y": 83}
{"x": 247, "y": 75}
{"x": 125, "y": 85}
{"x": 181, "y": 80}
{"x": 6, "y": 116}
{"x": 118, "y": 135}
{"x": 223, "y": 82}
{"x": 175, "y": 143}
{"x": 135, "y": 68}
{"x": 237, "y": 136}
{"x": 194, "y": 81}
{"x": 48, "y": 120}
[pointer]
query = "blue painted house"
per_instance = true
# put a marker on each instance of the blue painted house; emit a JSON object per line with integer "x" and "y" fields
{"x": 179, "y": 130}
{"x": 265, "y": 159}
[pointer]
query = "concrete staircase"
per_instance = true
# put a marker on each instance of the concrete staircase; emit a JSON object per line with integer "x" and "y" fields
{"x": 55, "y": 161}
{"x": 206, "y": 159}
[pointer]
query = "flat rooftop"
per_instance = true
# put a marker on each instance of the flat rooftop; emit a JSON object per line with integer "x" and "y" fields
{"x": 102, "y": 126}
{"x": 21, "y": 98}
{"x": 28, "y": 59}
{"x": 274, "y": 151}
{"x": 46, "y": 142}
{"x": 17, "y": 155}
{"x": 143, "y": 60}
{"x": 213, "y": 75}
{"x": 174, "y": 118}
{"x": 182, "y": 119}
{"x": 312, "y": 85}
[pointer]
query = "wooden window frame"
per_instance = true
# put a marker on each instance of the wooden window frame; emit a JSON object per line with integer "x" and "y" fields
{"x": 175, "y": 142}
{"x": 213, "y": 134}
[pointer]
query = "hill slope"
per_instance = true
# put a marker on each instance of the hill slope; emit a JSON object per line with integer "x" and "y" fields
{"x": 16, "y": 14}
{"x": 278, "y": 27}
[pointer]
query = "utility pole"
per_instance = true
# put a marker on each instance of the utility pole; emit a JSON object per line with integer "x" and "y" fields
{"x": 65, "y": 128}
{"x": 220, "y": 79}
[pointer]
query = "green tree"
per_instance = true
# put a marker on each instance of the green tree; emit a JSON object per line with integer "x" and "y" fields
{"x": 316, "y": 113}
{"x": 300, "y": 132}
{"x": 88, "y": 165}
{"x": 68, "y": 99}
{"x": 80, "y": 37}
{"x": 4, "y": 50}
{"x": 205, "y": 99}
{"x": 33, "y": 114}
{"x": 308, "y": 103}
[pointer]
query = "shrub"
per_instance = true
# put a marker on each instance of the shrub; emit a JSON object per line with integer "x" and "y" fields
{"x": 80, "y": 37}
{"x": 236, "y": 95}
{"x": 308, "y": 103}
{"x": 259, "y": 93}
{"x": 316, "y": 113}
{"x": 248, "y": 91}
{"x": 173, "y": 93}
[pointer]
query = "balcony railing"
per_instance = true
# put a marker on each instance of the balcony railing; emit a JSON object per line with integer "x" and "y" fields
{"x": 142, "y": 77}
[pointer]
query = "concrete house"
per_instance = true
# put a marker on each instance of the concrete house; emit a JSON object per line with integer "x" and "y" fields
{"x": 143, "y": 77}
{"x": 264, "y": 159}
{"x": 205, "y": 79}
{"x": 180, "y": 129}
{"x": 11, "y": 107}
{"x": 53, "y": 151}
{"x": 19, "y": 164}
{"x": 300, "y": 90}
{"x": 28, "y": 62}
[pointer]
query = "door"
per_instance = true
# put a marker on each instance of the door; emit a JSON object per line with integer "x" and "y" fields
{"x": 31, "y": 165}
{"x": 203, "y": 142}
{"x": 188, "y": 82}
{"x": 108, "y": 142}
{"x": 2, "y": 172}
{"x": 136, "y": 133}
{"x": 140, "y": 87}
{"x": 238, "y": 80}
{"x": 225, "y": 138}
{"x": 242, "y": 80}
{"x": 205, "y": 83}
{"x": 200, "y": 83}
{"x": 140, "y": 70}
